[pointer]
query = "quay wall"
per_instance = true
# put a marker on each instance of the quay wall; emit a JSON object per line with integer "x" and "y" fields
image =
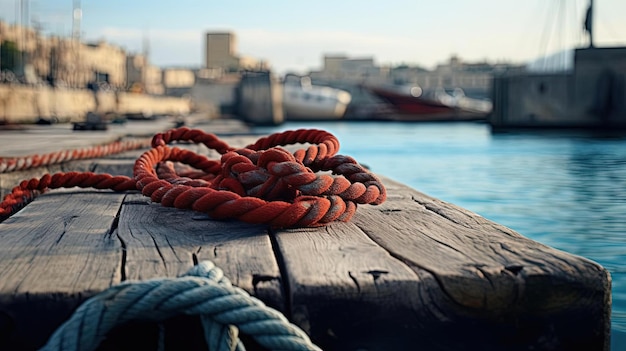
{"x": 590, "y": 96}
{"x": 26, "y": 104}
{"x": 218, "y": 95}
{"x": 259, "y": 99}
{"x": 527, "y": 99}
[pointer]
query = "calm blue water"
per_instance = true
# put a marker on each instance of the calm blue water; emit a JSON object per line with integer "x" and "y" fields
{"x": 564, "y": 189}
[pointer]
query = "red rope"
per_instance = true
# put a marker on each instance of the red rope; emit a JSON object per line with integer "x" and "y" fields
{"x": 261, "y": 183}
{"x": 10, "y": 164}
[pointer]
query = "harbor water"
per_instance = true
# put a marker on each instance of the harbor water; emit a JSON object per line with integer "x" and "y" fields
{"x": 563, "y": 189}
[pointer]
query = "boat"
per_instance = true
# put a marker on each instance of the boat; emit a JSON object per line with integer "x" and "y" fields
{"x": 410, "y": 102}
{"x": 303, "y": 100}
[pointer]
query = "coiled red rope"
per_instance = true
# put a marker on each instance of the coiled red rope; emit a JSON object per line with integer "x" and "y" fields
{"x": 261, "y": 183}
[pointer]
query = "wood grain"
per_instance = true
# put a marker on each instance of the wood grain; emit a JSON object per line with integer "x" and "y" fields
{"x": 161, "y": 241}
{"x": 348, "y": 292}
{"x": 493, "y": 276}
{"x": 55, "y": 253}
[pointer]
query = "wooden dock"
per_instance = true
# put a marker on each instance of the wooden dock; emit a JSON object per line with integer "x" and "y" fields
{"x": 412, "y": 273}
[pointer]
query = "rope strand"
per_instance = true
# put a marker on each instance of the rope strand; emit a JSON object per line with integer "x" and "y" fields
{"x": 12, "y": 164}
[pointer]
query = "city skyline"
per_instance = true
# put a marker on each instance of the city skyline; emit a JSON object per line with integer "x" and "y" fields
{"x": 294, "y": 37}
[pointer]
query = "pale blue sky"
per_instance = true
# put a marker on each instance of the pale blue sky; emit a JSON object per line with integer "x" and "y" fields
{"x": 294, "y": 35}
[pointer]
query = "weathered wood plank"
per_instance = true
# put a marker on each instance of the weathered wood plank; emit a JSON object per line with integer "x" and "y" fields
{"x": 161, "y": 241}
{"x": 55, "y": 253}
{"x": 492, "y": 276}
{"x": 165, "y": 242}
{"x": 348, "y": 292}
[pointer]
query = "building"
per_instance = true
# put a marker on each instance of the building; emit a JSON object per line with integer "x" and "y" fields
{"x": 101, "y": 62}
{"x": 474, "y": 78}
{"x": 356, "y": 70}
{"x": 143, "y": 77}
{"x": 64, "y": 61}
{"x": 178, "y": 81}
{"x": 220, "y": 51}
{"x": 252, "y": 64}
{"x": 332, "y": 64}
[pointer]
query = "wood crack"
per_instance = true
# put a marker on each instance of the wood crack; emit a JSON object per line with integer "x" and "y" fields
{"x": 448, "y": 246}
{"x": 66, "y": 223}
{"x": 194, "y": 255}
{"x": 413, "y": 266}
{"x": 171, "y": 248}
{"x": 261, "y": 278}
{"x": 438, "y": 212}
{"x": 284, "y": 276}
{"x": 158, "y": 249}
{"x": 356, "y": 282}
{"x": 113, "y": 229}
{"x": 485, "y": 275}
{"x": 124, "y": 257}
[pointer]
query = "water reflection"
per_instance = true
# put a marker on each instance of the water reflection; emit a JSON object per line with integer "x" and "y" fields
{"x": 564, "y": 189}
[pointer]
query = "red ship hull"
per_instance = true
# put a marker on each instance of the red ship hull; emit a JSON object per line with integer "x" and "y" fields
{"x": 408, "y": 107}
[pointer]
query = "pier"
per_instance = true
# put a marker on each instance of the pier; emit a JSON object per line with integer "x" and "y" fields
{"x": 413, "y": 272}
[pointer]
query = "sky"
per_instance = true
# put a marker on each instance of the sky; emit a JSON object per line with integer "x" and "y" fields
{"x": 294, "y": 36}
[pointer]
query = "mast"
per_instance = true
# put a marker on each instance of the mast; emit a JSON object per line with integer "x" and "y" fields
{"x": 589, "y": 23}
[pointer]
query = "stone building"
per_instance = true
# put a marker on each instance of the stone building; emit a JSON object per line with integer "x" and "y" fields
{"x": 355, "y": 70}
{"x": 142, "y": 77}
{"x": 475, "y": 78}
{"x": 102, "y": 62}
{"x": 64, "y": 61}
{"x": 178, "y": 81}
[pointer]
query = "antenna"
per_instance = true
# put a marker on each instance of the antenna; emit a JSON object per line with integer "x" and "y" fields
{"x": 77, "y": 15}
{"x": 146, "y": 45}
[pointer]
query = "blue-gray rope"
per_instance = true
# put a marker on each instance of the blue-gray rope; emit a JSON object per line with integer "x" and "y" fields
{"x": 224, "y": 309}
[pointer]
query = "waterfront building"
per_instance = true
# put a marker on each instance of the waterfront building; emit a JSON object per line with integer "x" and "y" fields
{"x": 63, "y": 61}
{"x": 355, "y": 70}
{"x": 221, "y": 53}
{"x": 178, "y": 81}
{"x": 142, "y": 76}
{"x": 101, "y": 62}
{"x": 474, "y": 78}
